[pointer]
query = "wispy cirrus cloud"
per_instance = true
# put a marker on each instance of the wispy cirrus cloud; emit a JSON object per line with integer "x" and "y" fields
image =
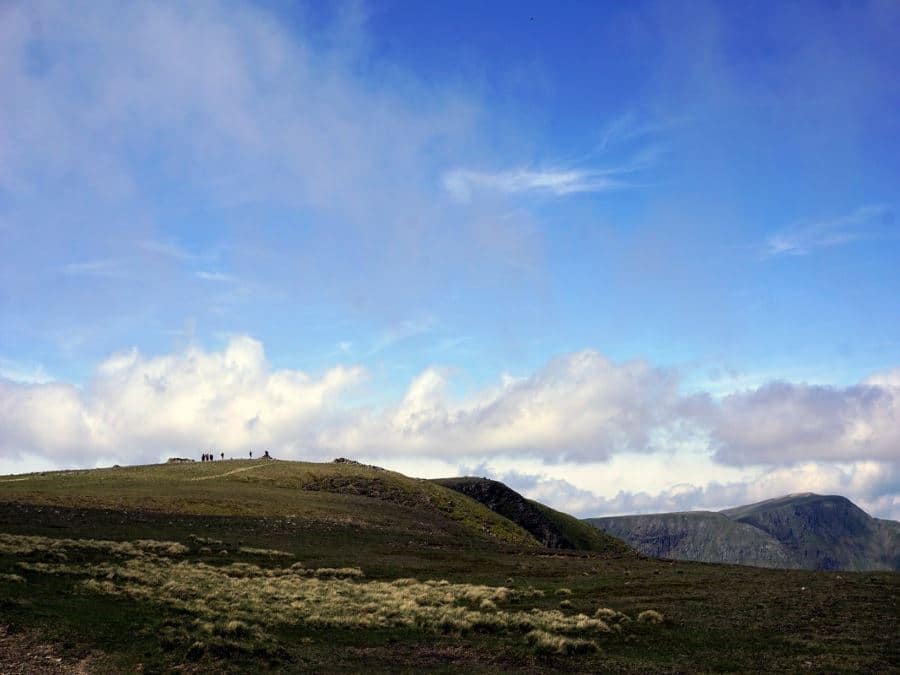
{"x": 462, "y": 183}
{"x": 218, "y": 277}
{"x": 405, "y": 330}
{"x": 867, "y": 222}
{"x": 591, "y": 170}
{"x": 167, "y": 249}
{"x": 102, "y": 267}
{"x": 24, "y": 372}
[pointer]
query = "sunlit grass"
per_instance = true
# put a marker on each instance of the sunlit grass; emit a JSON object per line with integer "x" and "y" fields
{"x": 237, "y": 605}
{"x": 25, "y": 545}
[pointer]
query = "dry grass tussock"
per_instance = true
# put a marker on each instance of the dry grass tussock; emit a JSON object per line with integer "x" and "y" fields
{"x": 650, "y": 616}
{"x": 549, "y": 643}
{"x": 236, "y": 605}
{"x": 264, "y": 551}
{"x": 13, "y": 544}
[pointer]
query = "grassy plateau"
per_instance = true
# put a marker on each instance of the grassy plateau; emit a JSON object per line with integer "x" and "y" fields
{"x": 249, "y": 566}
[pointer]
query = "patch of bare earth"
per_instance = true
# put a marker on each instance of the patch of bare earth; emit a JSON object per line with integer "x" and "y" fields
{"x": 24, "y": 654}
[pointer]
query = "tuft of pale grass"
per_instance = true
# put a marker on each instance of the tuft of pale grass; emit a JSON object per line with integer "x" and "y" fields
{"x": 344, "y": 572}
{"x": 650, "y": 616}
{"x": 236, "y": 628}
{"x": 564, "y": 591}
{"x": 14, "y": 578}
{"x": 611, "y": 615}
{"x": 264, "y": 551}
{"x": 550, "y": 643}
{"x": 205, "y": 540}
{"x": 14, "y": 544}
{"x": 565, "y": 604}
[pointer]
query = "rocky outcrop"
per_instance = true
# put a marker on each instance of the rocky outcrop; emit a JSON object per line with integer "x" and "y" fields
{"x": 551, "y": 528}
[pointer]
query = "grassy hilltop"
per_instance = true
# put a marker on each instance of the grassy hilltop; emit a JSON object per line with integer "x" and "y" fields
{"x": 295, "y": 567}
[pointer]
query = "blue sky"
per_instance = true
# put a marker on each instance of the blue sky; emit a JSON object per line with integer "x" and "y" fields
{"x": 423, "y": 229}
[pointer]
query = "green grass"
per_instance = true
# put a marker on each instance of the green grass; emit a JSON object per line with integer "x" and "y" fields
{"x": 251, "y": 584}
{"x": 263, "y": 488}
{"x": 586, "y": 537}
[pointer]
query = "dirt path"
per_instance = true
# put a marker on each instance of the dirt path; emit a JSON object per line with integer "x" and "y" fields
{"x": 22, "y": 653}
{"x": 230, "y": 473}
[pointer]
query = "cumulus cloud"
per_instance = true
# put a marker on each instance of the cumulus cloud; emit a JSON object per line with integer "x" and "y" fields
{"x": 579, "y": 405}
{"x": 782, "y": 422}
{"x": 580, "y": 426}
{"x": 139, "y": 408}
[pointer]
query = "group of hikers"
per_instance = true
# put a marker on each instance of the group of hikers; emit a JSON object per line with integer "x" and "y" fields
{"x": 209, "y": 456}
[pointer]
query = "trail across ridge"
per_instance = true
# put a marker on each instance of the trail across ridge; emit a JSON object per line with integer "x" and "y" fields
{"x": 230, "y": 473}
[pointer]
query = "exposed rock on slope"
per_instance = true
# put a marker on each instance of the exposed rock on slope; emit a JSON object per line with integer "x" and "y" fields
{"x": 704, "y": 536}
{"x": 825, "y": 532}
{"x": 803, "y": 531}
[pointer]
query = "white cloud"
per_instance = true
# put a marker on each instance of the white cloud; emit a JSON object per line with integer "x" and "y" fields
{"x": 462, "y": 183}
{"x": 229, "y": 99}
{"x": 782, "y": 422}
{"x": 867, "y": 222}
{"x": 106, "y": 267}
{"x": 579, "y": 405}
{"x": 218, "y": 277}
{"x": 28, "y": 373}
{"x": 584, "y": 433}
{"x": 167, "y": 249}
{"x": 160, "y": 128}
{"x": 140, "y": 408}
{"x": 401, "y": 332}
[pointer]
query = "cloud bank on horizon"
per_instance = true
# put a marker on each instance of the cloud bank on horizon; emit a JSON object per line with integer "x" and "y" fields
{"x": 578, "y": 411}
{"x": 627, "y": 258}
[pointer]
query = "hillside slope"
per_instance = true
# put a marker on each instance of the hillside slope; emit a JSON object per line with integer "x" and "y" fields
{"x": 703, "y": 536}
{"x": 550, "y": 527}
{"x": 825, "y": 532}
{"x": 804, "y": 531}
{"x": 342, "y": 491}
{"x": 248, "y": 567}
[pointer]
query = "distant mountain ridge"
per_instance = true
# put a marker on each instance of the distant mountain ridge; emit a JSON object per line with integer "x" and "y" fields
{"x": 799, "y": 531}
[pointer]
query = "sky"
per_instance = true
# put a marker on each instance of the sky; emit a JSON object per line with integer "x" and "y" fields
{"x": 626, "y": 257}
